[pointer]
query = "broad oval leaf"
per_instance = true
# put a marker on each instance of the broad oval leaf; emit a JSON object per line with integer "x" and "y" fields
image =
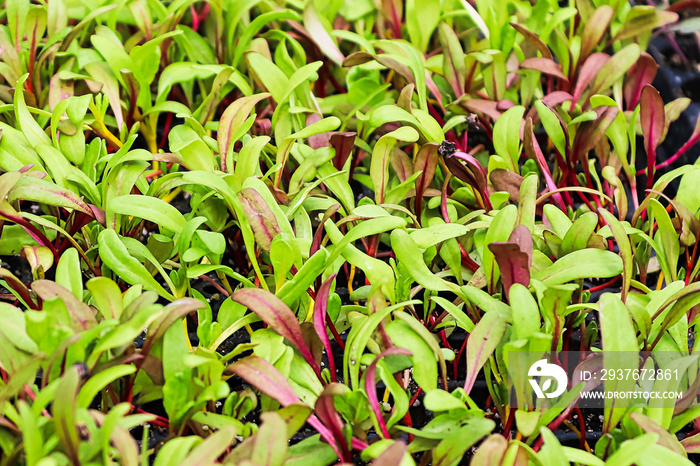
{"x": 599, "y": 264}
{"x": 149, "y": 208}
{"x": 115, "y": 256}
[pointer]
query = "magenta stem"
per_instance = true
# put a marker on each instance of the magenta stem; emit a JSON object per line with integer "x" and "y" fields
{"x": 691, "y": 142}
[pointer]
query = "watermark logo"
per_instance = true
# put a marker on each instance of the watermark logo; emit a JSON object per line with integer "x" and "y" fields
{"x": 547, "y": 373}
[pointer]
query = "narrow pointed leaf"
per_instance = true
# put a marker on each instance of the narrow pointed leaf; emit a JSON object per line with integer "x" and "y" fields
{"x": 653, "y": 119}
{"x": 532, "y": 148}
{"x": 265, "y": 377}
{"x": 596, "y": 26}
{"x": 278, "y": 316}
{"x": 514, "y": 257}
{"x": 260, "y": 216}
{"x": 481, "y": 344}
{"x": 641, "y": 74}
{"x": 425, "y": 162}
{"x": 115, "y": 256}
{"x": 232, "y": 121}
{"x": 544, "y": 65}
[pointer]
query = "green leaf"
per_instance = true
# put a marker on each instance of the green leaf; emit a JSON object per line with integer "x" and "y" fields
{"x": 632, "y": 451}
{"x": 32, "y": 437}
{"x": 31, "y": 129}
{"x": 526, "y": 313}
{"x": 107, "y": 297}
{"x": 485, "y": 301}
{"x": 452, "y": 448}
{"x": 99, "y": 381}
{"x": 481, "y": 344}
{"x": 495, "y": 75}
{"x": 666, "y": 237}
{"x": 29, "y": 188}
{"x": 310, "y": 451}
{"x": 176, "y": 449}
{"x": 185, "y": 142}
{"x": 408, "y": 253}
{"x": 580, "y": 232}
{"x": 623, "y": 243}
{"x": 367, "y": 228}
{"x": 460, "y": 317}
{"x": 254, "y": 27}
{"x": 453, "y": 65}
{"x": 436, "y": 234}
{"x": 642, "y": 19}
{"x": 428, "y": 337}
{"x": 379, "y": 168}
{"x": 149, "y": 208}
{"x": 619, "y": 339}
{"x": 115, "y": 255}
{"x": 421, "y": 20}
{"x": 430, "y": 129}
{"x": 68, "y": 273}
{"x": 552, "y": 452}
{"x": 212, "y": 448}
{"x": 501, "y": 227}
{"x": 16, "y": 346}
{"x": 527, "y": 201}
{"x": 581, "y": 457}
{"x": 323, "y": 126}
{"x": 269, "y": 74}
{"x": 552, "y": 125}
{"x": 558, "y": 219}
{"x": 304, "y": 278}
{"x": 424, "y": 357}
{"x": 231, "y": 123}
{"x": 249, "y": 158}
{"x": 599, "y": 264}
{"x": 65, "y": 413}
{"x": 504, "y": 142}
{"x": 182, "y": 72}
{"x": 616, "y": 67}
{"x": 358, "y": 337}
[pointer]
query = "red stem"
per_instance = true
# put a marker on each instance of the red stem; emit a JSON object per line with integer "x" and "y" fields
{"x": 509, "y": 423}
{"x": 338, "y": 340}
{"x": 581, "y": 427}
{"x": 455, "y": 363}
{"x": 604, "y": 285}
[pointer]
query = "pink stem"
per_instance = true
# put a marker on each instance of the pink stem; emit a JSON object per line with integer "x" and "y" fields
{"x": 691, "y": 142}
